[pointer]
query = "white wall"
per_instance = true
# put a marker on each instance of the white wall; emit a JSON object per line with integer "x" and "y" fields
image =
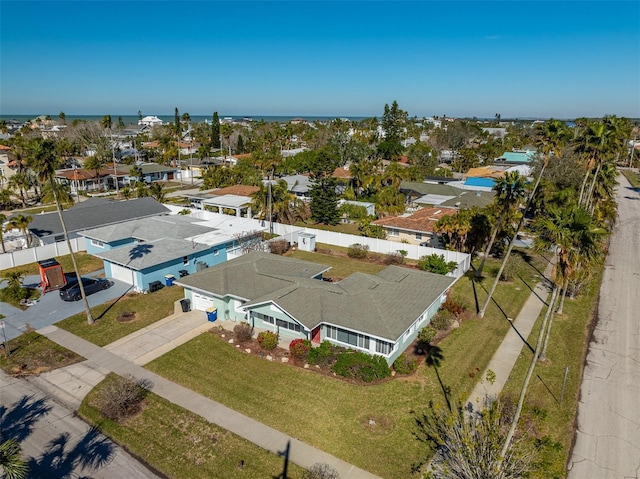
{"x": 30, "y": 255}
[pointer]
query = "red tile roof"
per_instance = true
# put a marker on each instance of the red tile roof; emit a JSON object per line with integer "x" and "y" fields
{"x": 422, "y": 220}
{"x": 341, "y": 173}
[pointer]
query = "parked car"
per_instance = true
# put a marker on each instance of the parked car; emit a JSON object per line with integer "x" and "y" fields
{"x": 71, "y": 290}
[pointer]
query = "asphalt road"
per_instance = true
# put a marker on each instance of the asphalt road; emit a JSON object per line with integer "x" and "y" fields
{"x": 608, "y": 436}
{"x": 57, "y": 444}
{"x": 50, "y": 308}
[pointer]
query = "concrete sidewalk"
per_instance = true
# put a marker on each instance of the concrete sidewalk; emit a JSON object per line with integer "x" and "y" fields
{"x": 504, "y": 359}
{"x": 101, "y": 360}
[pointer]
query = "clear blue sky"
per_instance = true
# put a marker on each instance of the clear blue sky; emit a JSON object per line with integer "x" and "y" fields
{"x": 516, "y": 58}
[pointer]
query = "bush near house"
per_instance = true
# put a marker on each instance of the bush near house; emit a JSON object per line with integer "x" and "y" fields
{"x": 361, "y": 366}
{"x": 427, "y": 334}
{"x": 243, "y": 332}
{"x": 404, "y": 364}
{"x": 121, "y": 397}
{"x": 442, "y": 320}
{"x": 268, "y": 340}
{"x": 455, "y": 306}
{"x": 324, "y": 355}
{"x": 435, "y": 263}
{"x": 300, "y": 348}
{"x": 394, "y": 258}
{"x": 280, "y": 246}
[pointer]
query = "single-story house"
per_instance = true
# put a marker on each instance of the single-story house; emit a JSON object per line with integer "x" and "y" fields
{"x": 516, "y": 157}
{"x": 143, "y": 251}
{"x": 153, "y": 172}
{"x": 377, "y": 314}
{"x": 450, "y": 195}
{"x": 416, "y": 228}
{"x": 82, "y": 180}
{"x": 92, "y": 213}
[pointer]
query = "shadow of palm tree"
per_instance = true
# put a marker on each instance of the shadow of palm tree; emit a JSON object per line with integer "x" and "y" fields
{"x": 18, "y": 420}
{"x": 139, "y": 251}
{"x": 434, "y": 359}
{"x": 60, "y": 459}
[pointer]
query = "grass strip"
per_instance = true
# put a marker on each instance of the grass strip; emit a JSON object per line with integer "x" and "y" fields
{"x": 182, "y": 445}
{"x": 32, "y": 353}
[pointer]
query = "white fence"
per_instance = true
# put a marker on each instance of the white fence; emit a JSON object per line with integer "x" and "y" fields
{"x": 31, "y": 255}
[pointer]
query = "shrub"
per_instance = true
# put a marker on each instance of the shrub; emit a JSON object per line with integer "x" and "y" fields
{"x": 511, "y": 269}
{"x": 427, "y": 334}
{"x": 358, "y": 251}
{"x": 267, "y": 340}
{"x": 280, "y": 246}
{"x": 300, "y": 348}
{"x": 243, "y": 332}
{"x": 321, "y": 470}
{"x": 361, "y": 366}
{"x": 435, "y": 263}
{"x": 354, "y": 212}
{"x": 122, "y": 397}
{"x": 324, "y": 355}
{"x": 394, "y": 258}
{"x": 404, "y": 364}
{"x": 442, "y": 320}
{"x": 454, "y": 306}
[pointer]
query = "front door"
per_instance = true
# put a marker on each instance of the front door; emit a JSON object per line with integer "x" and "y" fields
{"x": 315, "y": 335}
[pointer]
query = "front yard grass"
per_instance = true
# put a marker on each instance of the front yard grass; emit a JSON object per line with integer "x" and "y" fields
{"x": 148, "y": 309}
{"x": 567, "y": 347}
{"x": 181, "y": 444}
{"x": 633, "y": 176}
{"x": 334, "y": 415}
{"x": 32, "y": 353}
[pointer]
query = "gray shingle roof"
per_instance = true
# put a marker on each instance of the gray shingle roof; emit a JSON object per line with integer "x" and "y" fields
{"x": 383, "y": 305}
{"x": 93, "y": 213}
{"x": 149, "y": 229}
{"x": 152, "y": 253}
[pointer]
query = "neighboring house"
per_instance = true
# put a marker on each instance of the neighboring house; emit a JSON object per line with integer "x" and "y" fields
{"x": 153, "y": 172}
{"x": 142, "y": 251}
{"x": 150, "y": 121}
{"x": 377, "y": 314}
{"x": 516, "y": 157}
{"x": 416, "y": 228}
{"x": 83, "y": 180}
{"x": 92, "y": 213}
{"x": 299, "y": 185}
{"x": 233, "y": 200}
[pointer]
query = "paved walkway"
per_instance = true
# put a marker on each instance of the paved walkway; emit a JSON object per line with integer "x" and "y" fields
{"x": 504, "y": 359}
{"x": 73, "y": 383}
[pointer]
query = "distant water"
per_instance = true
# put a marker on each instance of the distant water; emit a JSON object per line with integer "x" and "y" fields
{"x": 133, "y": 119}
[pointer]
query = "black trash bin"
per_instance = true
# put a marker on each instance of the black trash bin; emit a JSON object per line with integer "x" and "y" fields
{"x": 186, "y": 305}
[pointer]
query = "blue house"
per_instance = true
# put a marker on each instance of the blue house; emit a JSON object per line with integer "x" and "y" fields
{"x": 141, "y": 252}
{"x": 377, "y": 314}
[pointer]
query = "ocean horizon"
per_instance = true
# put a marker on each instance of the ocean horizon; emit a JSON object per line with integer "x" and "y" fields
{"x": 133, "y": 119}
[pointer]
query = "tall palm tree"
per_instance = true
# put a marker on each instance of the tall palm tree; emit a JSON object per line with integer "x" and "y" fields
{"x": 510, "y": 189}
{"x": 21, "y": 222}
{"x": 551, "y": 138}
{"x": 3, "y": 218}
{"x": 11, "y": 461}
{"x": 21, "y": 183}
{"x": 43, "y": 161}
{"x": 593, "y": 144}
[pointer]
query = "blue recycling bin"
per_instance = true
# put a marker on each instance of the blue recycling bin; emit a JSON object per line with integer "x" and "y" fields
{"x": 212, "y": 314}
{"x": 168, "y": 279}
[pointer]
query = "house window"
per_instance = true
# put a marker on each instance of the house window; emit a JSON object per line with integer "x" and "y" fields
{"x": 383, "y": 347}
{"x": 394, "y": 232}
{"x": 58, "y": 238}
{"x": 281, "y": 323}
{"x": 418, "y": 236}
{"x": 185, "y": 260}
{"x": 215, "y": 252}
{"x": 348, "y": 337}
{"x": 97, "y": 243}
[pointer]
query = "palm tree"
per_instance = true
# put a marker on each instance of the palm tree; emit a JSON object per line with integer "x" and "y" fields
{"x": 21, "y": 222}
{"x": 593, "y": 144}
{"x": 43, "y": 161}
{"x": 20, "y": 182}
{"x": 284, "y": 206}
{"x": 510, "y": 189}
{"x": 551, "y": 138}
{"x": 3, "y": 218}
{"x": 11, "y": 461}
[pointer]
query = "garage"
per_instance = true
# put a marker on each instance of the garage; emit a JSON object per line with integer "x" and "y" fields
{"x": 123, "y": 274}
{"x": 201, "y": 301}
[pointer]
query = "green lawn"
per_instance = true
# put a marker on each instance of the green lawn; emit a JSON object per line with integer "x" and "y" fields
{"x": 567, "y": 347}
{"x": 182, "y": 445}
{"x": 149, "y": 308}
{"x": 632, "y": 176}
{"x": 34, "y": 354}
{"x": 347, "y": 228}
{"x": 334, "y": 415}
{"x": 86, "y": 264}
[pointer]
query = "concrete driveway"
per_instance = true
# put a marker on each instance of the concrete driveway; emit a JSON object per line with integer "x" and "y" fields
{"x": 50, "y": 308}
{"x": 607, "y": 441}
